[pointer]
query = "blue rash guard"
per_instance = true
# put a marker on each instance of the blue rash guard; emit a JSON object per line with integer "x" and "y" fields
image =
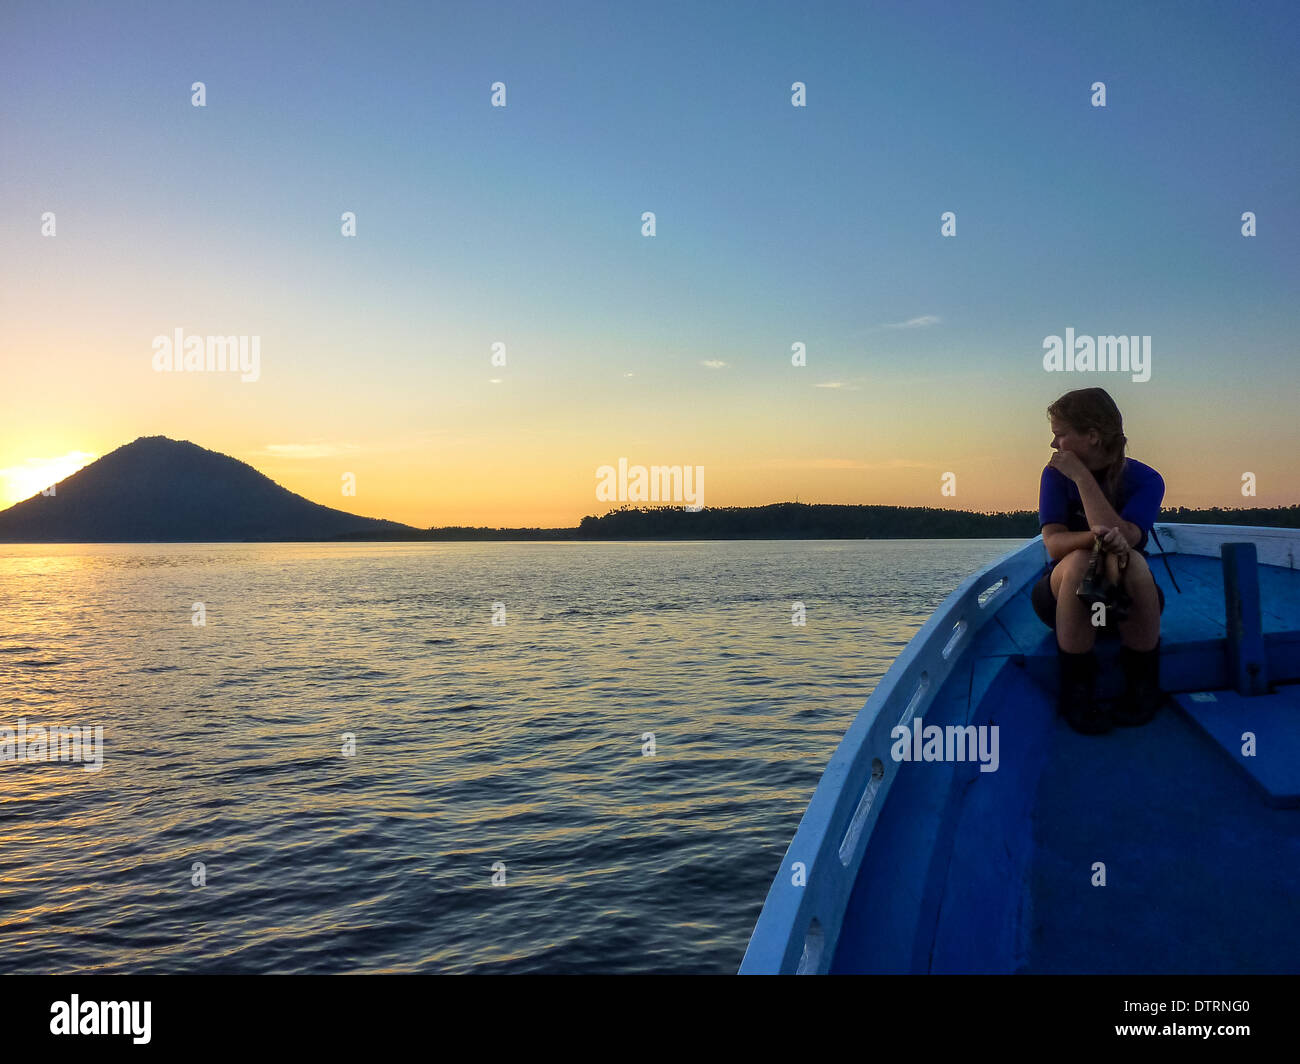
{"x": 1140, "y": 493}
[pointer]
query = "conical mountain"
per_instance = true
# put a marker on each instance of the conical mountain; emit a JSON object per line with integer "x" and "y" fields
{"x": 159, "y": 489}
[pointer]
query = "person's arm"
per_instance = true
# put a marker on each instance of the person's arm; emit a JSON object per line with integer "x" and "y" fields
{"x": 1143, "y": 507}
{"x": 1100, "y": 512}
{"x": 1059, "y": 541}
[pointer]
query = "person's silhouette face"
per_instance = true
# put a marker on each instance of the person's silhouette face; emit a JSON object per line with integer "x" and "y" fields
{"x": 1084, "y": 445}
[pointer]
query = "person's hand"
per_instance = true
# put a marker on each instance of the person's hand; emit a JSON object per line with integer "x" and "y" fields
{"x": 1112, "y": 540}
{"x": 1069, "y": 464}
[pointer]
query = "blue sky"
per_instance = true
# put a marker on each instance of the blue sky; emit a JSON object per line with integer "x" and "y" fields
{"x": 774, "y": 224}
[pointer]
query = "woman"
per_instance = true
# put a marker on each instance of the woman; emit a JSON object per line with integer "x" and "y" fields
{"x": 1091, "y": 491}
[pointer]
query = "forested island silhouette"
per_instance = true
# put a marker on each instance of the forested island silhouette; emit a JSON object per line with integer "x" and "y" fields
{"x": 792, "y": 520}
{"x": 157, "y": 489}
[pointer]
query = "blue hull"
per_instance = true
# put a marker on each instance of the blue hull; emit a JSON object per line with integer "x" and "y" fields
{"x": 905, "y": 866}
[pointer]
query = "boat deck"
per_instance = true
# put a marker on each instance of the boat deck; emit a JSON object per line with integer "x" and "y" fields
{"x": 1196, "y": 863}
{"x": 1201, "y": 874}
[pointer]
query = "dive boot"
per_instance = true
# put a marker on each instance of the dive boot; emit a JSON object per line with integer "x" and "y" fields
{"x": 1142, "y": 696}
{"x": 1076, "y": 698}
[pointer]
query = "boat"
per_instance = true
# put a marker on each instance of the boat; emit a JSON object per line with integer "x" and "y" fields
{"x": 1168, "y": 848}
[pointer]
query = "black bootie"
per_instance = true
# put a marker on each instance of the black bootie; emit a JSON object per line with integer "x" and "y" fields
{"x": 1142, "y": 696}
{"x": 1076, "y": 698}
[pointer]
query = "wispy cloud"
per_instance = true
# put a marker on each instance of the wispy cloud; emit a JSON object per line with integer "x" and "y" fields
{"x": 307, "y": 450}
{"x": 838, "y": 463}
{"x": 915, "y": 323}
{"x": 79, "y": 458}
{"x": 713, "y": 363}
{"x": 837, "y": 384}
{"x": 424, "y": 441}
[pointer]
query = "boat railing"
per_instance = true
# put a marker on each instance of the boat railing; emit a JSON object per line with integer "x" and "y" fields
{"x": 799, "y": 925}
{"x": 1274, "y": 546}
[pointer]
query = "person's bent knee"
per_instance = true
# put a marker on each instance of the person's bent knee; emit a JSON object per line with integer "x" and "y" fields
{"x": 1076, "y": 559}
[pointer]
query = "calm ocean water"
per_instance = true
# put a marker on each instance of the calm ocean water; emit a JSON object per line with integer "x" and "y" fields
{"x": 476, "y": 745}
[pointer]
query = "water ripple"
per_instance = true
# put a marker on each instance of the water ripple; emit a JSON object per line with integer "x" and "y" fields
{"x": 350, "y": 768}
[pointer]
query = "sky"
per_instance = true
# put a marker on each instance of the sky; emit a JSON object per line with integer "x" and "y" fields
{"x": 775, "y": 225}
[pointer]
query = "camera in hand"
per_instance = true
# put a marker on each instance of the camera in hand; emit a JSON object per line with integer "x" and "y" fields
{"x": 1096, "y": 587}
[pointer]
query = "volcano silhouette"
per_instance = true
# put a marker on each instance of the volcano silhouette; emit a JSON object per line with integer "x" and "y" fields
{"x": 159, "y": 489}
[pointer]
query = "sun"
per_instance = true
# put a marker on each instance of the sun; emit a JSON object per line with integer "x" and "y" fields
{"x": 36, "y": 474}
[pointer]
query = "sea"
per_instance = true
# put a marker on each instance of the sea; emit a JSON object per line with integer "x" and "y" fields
{"x": 573, "y": 757}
